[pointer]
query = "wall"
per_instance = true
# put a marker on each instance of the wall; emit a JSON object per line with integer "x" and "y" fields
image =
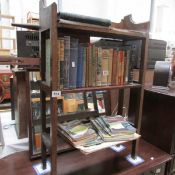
{"x": 163, "y": 15}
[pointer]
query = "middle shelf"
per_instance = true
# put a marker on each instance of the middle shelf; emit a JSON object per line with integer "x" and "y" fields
{"x": 47, "y": 88}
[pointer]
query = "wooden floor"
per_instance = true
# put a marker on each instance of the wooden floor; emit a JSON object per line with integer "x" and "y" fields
{"x": 102, "y": 162}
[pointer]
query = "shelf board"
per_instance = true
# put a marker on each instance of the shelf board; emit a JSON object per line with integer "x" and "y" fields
{"x": 47, "y": 88}
{"x": 96, "y": 30}
{"x": 62, "y": 146}
{"x": 99, "y": 88}
{"x": 11, "y": 60}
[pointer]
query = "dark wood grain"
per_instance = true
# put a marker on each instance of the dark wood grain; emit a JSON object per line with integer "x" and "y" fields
{"x": 48, "y": 20}
{"x": 47, "y": 88}
{"x": 138, "y": 116}
{"x": 104, "y": 162}
{"x": 158, "y": 126}
{"x": 95, "y": 30}
{"x": 19, "y": 85}
{"x": 128, "y": 23}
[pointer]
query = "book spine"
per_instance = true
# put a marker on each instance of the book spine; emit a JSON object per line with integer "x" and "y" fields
{"x": 114, "y": 67}
{"x": 126, "y": 69}
{"x": 90, "y": 66}
{"x": 66, "y": 60}
{"x": 84, "y": 66}
{"x": 105, "y": 66}
{"x": 61, "y": 58}
{"x": 110, "y": 66}
{"x": 120, "y": 67}
{"x": 80, "y": 66}
{"x": 73, "y": 62}
{"x": 99, "y": 67}
{"x": 94, "y": 65}
{"x": 87, "y": 66}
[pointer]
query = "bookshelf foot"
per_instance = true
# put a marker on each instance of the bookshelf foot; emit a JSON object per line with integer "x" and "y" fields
{"x": 39, "y": 168}
{"x": 134, "y": 161}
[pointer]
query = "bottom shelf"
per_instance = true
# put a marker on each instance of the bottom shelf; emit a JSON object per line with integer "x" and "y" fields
{"x": 62, "y": 146}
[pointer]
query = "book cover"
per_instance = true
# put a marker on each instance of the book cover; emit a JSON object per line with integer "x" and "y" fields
{"x": 77, "y": 130}
{"x": 105, "y": 66}
{"x": 120, "y": 67}
{"x": 73, "y": 62}
{"x": 127, "y": 68}
{"x": 93, "y": 66}
{"x": 110, "y": 66}
{"x": 99, "y": 67}
{"x": 81, "y": 65}
{"x": 66, "y": 60}
{"x": 61, "y": 59}
{"x": 84, "y": 65}
{"x": 90, "y": 71}
{"x": 114, "y": 67}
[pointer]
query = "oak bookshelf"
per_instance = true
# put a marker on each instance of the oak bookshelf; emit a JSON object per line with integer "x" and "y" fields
{"x": 51, "y": 26}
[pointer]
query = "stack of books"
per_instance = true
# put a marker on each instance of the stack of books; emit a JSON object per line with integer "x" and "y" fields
{"x": 98, "y": 133}
{"x": 113, "y": 128}
{"x": 77, "y": 132}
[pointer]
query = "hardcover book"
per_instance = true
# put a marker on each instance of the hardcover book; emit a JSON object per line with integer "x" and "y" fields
{"x": 73, "y": 62}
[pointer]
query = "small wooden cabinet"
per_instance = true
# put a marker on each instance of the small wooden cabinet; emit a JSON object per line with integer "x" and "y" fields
{"x": 20, "y": 102}
{"x": 158, "y": 122}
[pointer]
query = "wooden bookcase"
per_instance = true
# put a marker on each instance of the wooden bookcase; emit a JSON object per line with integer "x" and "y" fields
{"x": 51, "y": 26}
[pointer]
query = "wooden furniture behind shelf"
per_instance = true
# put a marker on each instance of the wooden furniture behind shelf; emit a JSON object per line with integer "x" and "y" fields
{"x": 148, "y": 77}
{"x": 158, "y": 126}
{"x": 20, "y": 102}
{"x": 19, "y": 85}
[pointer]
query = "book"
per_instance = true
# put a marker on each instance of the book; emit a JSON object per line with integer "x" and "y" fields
{"x": 120, "y": 69}
{"x": 90, "y": 71}
{"x": 67, "y": 60}
{"x": 92, "y": 65}
{"x": 113, "y": 130}
{"x": 114, "y": 67}
{"x": 99, "y": 67}
{"x": 81, "y": 65}
{"x": 77, "y": 130}
{"x": 61, "y": 59}
{"x": 110, "y": 66}
{"x": 73, "y": 62}
{"x": 105, "y": 66}
{"x": 127, "y": 68}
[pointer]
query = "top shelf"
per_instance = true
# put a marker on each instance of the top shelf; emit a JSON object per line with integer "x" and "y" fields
{"x": 96, "y": 30}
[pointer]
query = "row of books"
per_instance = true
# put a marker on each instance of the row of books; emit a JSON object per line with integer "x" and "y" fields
{"x": 91, "y": 64}
{"x": 92, "y": 135}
